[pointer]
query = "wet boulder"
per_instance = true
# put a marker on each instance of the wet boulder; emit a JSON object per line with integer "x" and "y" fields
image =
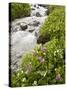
{"x": 23, "y": 26}
{"x": 38, "y": 14}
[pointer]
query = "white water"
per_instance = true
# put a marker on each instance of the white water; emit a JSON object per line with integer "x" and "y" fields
{"x": 25, "y": 40}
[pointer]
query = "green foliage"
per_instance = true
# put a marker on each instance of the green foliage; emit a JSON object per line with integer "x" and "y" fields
{"x": 19, "y": 10}
{"x": 34, "y": 67}
{"x": 56, "y": 61}
{"x": 52, "y": 7}
{"x": 45, "y": 64}
{"x": 35, "y": 58}
{"x": 54, "y": 26}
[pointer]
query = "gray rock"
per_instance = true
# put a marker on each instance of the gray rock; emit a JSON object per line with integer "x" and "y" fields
{"x": 43, "y": 5}
{"x": 31, "y": 30}
{"x": 38, "y": 14}
{"x": 36, "y": 34}
{"x": 34, "y": 23}
{"x": 32, "y": 8}
{"x": 23, "y": 26}
{"x": 38, "y": 7}
{"x": 35, "y": 5}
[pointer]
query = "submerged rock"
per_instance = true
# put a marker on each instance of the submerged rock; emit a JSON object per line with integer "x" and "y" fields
{"x": 34, "y": 23}
{"x": 31, "y": 30}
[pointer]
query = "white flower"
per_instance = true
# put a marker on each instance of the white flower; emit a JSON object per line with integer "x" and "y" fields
{"x": 30, "y": 63}
{"x": 24, "y": 79}
{"x": 26, "y": 72}
{"x": 33, "y": 51}
{"x": 54, "y": 53}
{"x": 57, "y": 51}
{"x": 55, "y": 69}
{"x": 18, "y": 74}
{"x": 44, "y": 53}
{"x": 36, "y": 51}
{"x": 40, "y": 44}
{"x": 45, "y": 73}
{"x": 22, "y": 71}
{"x": 35, "y": 83}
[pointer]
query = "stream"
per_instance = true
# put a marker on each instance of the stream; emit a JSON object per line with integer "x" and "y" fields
{"x": 25, "y": 32}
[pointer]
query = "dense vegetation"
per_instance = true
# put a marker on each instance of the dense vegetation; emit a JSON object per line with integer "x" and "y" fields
{"x": 19, "y": 10}
{"x": 54, "y": 26}
{"x": 45, "y": 64}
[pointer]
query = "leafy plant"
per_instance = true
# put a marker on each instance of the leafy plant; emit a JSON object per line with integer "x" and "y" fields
{"x": 19, "y": 10}
{"x": 52, "y": 7}
{"x": 45, "y": 64}
{"x": 54, "y": 26}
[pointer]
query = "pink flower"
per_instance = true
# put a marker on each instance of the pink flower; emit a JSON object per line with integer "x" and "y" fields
{"x": 43, "y": 49}
{"x": 58, "y": 77}
{"x": 41, "y": 60}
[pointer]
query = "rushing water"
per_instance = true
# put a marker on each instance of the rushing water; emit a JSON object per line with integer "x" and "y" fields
{"x": 24, "y": 33}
